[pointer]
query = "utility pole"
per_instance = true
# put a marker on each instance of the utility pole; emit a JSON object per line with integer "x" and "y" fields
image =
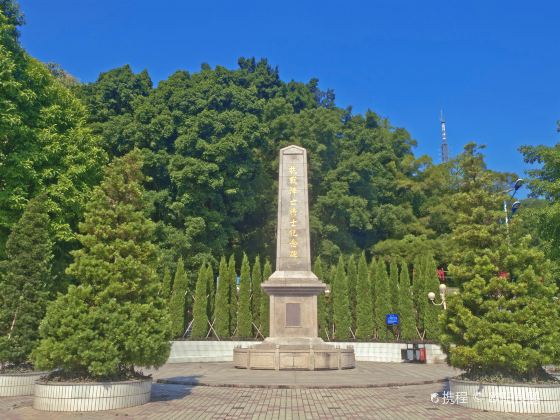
{"x": 444, "y": 149}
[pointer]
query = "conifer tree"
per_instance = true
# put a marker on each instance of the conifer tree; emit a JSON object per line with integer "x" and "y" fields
{"x": 221, "y": 311}
{"x": 166, "y": 284}
{"x": 418, "y": 292}
{"x": 330, "y": 300}
{"x": 244, "y": 326}
{"x": 431, "y": 325}
{"x": 321, "y": 303}
{"x": 256, "y": 291}
{"x": 383, "y": 299}
{"x": 373, "y": 284}
{"x": 177, "y": 300}
{"x": 232, "y": 295}
{"x": 341, "y": 304}
{"x": 200, "y": 309}
{"x": 352, "y": 276}
{"x": 114, "y": 320}
{"x": 25, "y": 278}
{"x": 394, "y": 285}
{"x": 406, "y": 306}
{"x": 210, "y": 291}
{"x": 265, "y": 301}
{"x": 364, "y": 315}
{"x": 505, "y": 322}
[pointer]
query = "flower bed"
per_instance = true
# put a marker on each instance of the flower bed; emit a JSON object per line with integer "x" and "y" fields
{"x": 509, "y": 398}
{"x": 17, "y": 384}
{"x": 91, "y": 396}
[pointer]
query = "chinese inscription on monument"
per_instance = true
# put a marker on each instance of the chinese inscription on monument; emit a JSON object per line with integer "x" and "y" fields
{"x": 293, "y": 212}
{"x": 293, "y": 215}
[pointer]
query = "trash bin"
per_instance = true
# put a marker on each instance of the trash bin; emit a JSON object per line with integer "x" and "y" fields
{"x": 422, "y": 355}
{"x": 409, "y": 353}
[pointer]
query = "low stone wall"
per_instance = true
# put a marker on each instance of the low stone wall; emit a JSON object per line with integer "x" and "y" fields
{"x": 286, "y": 357}
{"x": 508, "y": 398}
{"x": 54, "y": 396}
{"x": 222, "y": 351}
{"x": 17, "y": 384}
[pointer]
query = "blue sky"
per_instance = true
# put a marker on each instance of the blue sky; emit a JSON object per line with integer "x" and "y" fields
{"x": 493, "y": 66}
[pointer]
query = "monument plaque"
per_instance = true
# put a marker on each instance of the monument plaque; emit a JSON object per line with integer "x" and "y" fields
{"x": 293, "y": 315}
{"x": 293, "y": 288}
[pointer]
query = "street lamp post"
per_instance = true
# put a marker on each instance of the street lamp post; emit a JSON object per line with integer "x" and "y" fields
{"x": 515, "y": 205}
{"x": 442, "y": 294}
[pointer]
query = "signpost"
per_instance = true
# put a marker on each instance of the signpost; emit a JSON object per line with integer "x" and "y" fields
{"x": 392, "y": 319}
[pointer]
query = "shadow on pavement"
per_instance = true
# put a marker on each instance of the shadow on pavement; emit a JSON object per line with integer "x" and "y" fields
{"x": 191, "y": 380}
{"x": 168, "y": 392}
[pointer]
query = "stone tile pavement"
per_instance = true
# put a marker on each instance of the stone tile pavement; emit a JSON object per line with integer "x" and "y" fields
{"x": 200, "y": 402}
{"x": 171, "y": 401}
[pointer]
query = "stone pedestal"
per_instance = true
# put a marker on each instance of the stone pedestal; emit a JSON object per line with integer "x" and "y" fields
{"x": 293, "y": 288}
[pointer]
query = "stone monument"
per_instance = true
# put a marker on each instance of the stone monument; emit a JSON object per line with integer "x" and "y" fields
{"x": 293, "y": 288}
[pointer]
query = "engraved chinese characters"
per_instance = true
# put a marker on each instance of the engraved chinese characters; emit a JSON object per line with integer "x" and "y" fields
{"x": 293, "y": 228}
{"x": 293, "y": 212}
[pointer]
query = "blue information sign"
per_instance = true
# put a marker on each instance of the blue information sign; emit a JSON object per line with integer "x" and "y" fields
{"x": 392, "y": 319}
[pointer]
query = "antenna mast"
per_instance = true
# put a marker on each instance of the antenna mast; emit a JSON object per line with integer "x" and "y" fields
{"x": 444, "y": 149}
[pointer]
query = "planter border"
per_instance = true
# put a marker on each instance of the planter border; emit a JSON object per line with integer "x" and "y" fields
{"x": 91, "y": 396}
{"x": 19, "y": 384}
{"x": 525, "y": 398}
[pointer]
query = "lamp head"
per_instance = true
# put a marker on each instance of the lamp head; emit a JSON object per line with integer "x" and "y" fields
{"x": 431, "y": 296}
{"x": 518, "y": 184}
{"x": 442, "y": 288}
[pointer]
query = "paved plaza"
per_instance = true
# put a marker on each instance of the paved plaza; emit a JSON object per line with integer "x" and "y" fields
{"x": 257, "y": 401}
{"x": 366, "y": 374}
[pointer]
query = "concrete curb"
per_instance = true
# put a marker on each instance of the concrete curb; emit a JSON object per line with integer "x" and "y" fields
{"x": 297, "y": 386}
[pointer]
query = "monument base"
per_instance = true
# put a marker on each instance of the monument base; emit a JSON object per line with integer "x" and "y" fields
{"x": 279, "y": 353}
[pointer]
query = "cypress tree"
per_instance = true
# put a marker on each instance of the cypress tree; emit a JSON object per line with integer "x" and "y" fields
{"x": 265, "y": 301}
{"x": 221, "y": 311}
{"x": 352, "y": 276}
{"x": 321, "y": 303}
{"x": 372, "y": 284}
{"x": 24, "y": 282}
{"x": 330, "y": 301}
{"x": 166, "y": 284}
{"x": 200, "y": 309}
{"x": 177, "y": 300}
{"x": 420, "y": 298}
{"x": 256, "y": 291}
{"x": 383, "y": 299}
{"x": 505, "y": 327}
{"x": 364, "y": 318}
{"x": 244, "y": 327}
{"x": 115, "y": 319}
{"x": 431, "y": 325}
{"x": 394, "y": 285}
{"x": 406, "y": 306}
{"x": 341, "y": 304}
{"x": 210, "y": 291}
{"x": 232, "y": 295}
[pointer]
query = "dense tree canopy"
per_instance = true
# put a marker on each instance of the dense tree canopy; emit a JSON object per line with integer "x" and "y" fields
{"x": 211, "y": 140}
{"x": 45, "y": 145}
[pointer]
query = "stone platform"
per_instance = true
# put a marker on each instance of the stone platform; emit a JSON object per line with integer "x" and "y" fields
{"x": 318, "y": 356}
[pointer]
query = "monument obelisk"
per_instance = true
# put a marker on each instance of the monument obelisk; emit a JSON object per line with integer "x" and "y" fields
{"x": 293, "y": 288}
